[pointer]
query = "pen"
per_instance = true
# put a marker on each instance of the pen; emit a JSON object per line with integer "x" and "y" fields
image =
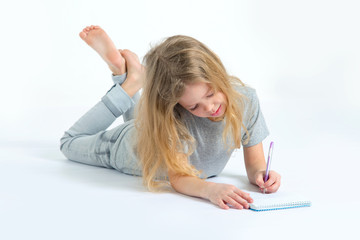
{"x": 268, "y": 163}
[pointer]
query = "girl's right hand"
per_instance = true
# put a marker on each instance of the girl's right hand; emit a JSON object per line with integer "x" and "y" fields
{"x": 222, "y": 194}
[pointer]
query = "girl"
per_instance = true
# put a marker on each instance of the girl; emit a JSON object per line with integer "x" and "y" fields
{"x": 190, "y": 117}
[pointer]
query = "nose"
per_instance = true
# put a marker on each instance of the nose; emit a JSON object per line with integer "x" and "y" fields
{"x": 209, "y": 107}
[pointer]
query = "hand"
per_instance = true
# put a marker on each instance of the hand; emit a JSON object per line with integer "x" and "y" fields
{"x": 221, "y": 194}
{"x": 271, "y": 185}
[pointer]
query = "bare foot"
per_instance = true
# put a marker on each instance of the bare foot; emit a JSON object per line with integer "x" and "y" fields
{"x": 97, "y": 38}
{"x": 135, "y": 75}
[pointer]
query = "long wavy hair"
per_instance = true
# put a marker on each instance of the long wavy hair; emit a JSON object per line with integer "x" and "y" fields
{"x": 163, "y": 140}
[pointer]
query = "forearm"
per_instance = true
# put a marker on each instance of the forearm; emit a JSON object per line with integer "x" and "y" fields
{"x": 254, "y": 161}
{"x": 252, "y": 169}
{"x": 217, "y": 193}
{"x": 191, "y": 186}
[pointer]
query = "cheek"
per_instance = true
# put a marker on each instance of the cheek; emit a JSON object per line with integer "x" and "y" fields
{"x": 223, "y": 97}
{"x": 197, "y": 113}
{"x": 220, "y": 98}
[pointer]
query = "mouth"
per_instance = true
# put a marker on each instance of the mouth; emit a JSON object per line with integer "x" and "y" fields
{"x": 217, "y": 112}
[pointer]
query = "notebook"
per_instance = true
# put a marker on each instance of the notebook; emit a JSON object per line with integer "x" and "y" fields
{"x": 277, "y": 201}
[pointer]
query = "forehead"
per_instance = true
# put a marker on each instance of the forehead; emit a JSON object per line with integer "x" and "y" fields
{"x": 193, "y": 93}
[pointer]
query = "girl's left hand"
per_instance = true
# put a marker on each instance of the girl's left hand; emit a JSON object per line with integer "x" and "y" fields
{"x": 271, "y": 185}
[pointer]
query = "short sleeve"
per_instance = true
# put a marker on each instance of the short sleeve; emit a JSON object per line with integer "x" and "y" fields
{"x": 253, "y": 120}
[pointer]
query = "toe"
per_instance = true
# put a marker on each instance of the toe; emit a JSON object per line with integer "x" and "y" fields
{"x": 82, "y": 35}
{"x": 125, "y": 51}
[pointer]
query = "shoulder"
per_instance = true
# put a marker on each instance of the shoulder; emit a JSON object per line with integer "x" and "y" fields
{"x": 247, "y": 93}
{"x": 250, "y": 103}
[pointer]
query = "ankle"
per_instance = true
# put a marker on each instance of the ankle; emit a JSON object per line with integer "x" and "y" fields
{"x": 131, "y": 87}
{"x": 118, "y": 70}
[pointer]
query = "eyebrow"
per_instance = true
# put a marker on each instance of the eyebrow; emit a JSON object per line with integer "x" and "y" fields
{"x": 202, "y": 97}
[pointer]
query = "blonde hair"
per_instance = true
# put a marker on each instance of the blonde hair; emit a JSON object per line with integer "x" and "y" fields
{"x": 163, "y": 140}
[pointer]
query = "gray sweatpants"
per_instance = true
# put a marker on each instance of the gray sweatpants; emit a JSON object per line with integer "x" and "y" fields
{"x": 88, "y": 140}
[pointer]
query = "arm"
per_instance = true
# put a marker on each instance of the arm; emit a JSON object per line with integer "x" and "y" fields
{"x": 217, "y": 193}
{"x": 254, "y": 161}
{"x": 188, "y": 185}
{"x": 256, "y": 167}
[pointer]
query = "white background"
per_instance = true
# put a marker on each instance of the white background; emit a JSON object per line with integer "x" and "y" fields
{"x": 302, "y": 57}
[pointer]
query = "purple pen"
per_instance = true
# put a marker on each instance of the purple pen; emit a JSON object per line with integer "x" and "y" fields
{"x": 268, "y": 162}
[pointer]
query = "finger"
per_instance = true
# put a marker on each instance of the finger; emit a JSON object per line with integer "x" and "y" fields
{"x": 273, "y": 177}
{"x": 125, "y": 53}
{"x": 233, "y": 203}
{"x": 264, "y": 190}
{"x": 129, "y": 53}
{"x": 260, "y": 180}
{"x": 273, "y": 188}
{"x": 130, "y": 56}
{"x": 244, "y": 195}
{"x": 240, "y": 200}
{"x": 269, "y": 182}
{"x": 222, "y": 204}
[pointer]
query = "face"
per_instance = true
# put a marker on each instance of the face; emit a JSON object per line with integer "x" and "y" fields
{"x": 202, "y": 101}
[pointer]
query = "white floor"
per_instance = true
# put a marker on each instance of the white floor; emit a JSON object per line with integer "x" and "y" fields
{"x": 45, "y": 196}
{"x": 302, "y": 57}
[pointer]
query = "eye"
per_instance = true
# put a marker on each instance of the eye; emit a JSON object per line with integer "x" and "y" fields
{"x": 192, "y": 109}
{"x": 209, "y": 96}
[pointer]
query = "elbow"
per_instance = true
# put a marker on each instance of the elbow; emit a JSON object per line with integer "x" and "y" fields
{"x": 174, "y": 180}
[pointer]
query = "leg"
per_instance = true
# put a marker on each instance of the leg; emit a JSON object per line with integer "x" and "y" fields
{"x": 94, "y": 149}
{"x": 129, "y": 114}
{"x": 87, "y": 141}
{"x": 134, "y": 82}
{"x": 97, "y": 39}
